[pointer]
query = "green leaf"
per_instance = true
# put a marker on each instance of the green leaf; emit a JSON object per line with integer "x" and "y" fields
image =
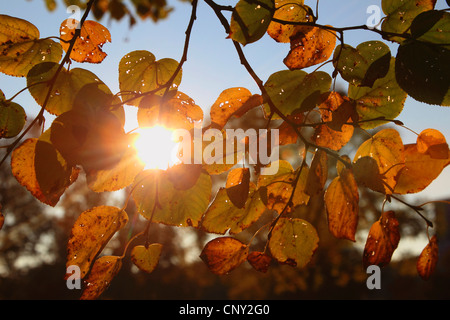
{"x": 400, "y": 15}
{"x": 21, "y": 49}
{"x": 384, "y": 99}
{"x": 422, "y": 66}
{"x": 365, "y": 64}
{"x": 293, "y": 242}
{"x": 140, "y": 72}
{"x": 12, "y": 119}
{"x": 65, "y": 89}
{"x": 250, "y": 20}
{"x": 223, "y": 216}
{"x": 91, "y": 233}
{"x": 291, "y": 90}
{"x": 174, "y": 207}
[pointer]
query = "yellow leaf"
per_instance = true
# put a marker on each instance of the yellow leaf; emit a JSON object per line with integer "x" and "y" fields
{"x": 146, "y": 258}
{"x": 90, "y": 233}
{"x": 222, "y": 255}
{"x": 426, "y": 264}
{"x": 433, "y": 143}
{"x": 103, "y": 272}
{"x": 238, "y": 185}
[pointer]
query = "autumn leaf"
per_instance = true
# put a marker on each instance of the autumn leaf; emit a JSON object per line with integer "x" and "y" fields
{"x": 233, "y": 102}
{"x": 260, "y": 261}
{"x": 146, "y": 258}
{"x": 222, "y": 255}
{"x": 88, "y": 46}
{"x": 21, "y": 47}
{"x": 287, "y": 10}
{"x": 310, "y": 46}
{"x": 433, "y": 143}
{"x": 91, "y": 232}
{"x": 383, "y": 239}
{"x": 427, "y": 261}
{"x": 222, "y": 215}
{"x": 12, "y": 119}
{"x": 342, "y": 205}
{"x": 386, "y": 148}
{"x": 238, "y": 185}
{"x": 104, "y": 270}
{"x": 293, "y": 242}
{"x": 318, "y": 174}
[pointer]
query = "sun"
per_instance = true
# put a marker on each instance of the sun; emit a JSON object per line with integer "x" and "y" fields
{"x": 156, "y": 147}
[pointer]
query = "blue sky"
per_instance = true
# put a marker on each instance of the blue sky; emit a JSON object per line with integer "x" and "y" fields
{"x": 213, "y": 64}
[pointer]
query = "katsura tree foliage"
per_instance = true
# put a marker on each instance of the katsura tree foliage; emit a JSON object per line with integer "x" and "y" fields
{"x": 88, "y": 137}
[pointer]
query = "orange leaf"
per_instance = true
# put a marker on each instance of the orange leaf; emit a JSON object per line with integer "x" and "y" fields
{"x": 260, "y": 261}
{"x": 433, "y": 143}
{"x": 428, "y": 259}
{"x": 310, "y": 46}
{"x": 318, "y": 174}
{"x": 88, "y": 47}
{"x": 233, "y": 102}
{"x": 287, "y": 10}
{"x": 238, "y": 186}
{"x": 342, "y": 200}
{"x": 103, "y": 272}
{"x": 223, "y": 255}
{"x": 420, "y": 170}
{"x": 90, "y": 233}
{"x": 383, "y": 239}
{"x": 287, "y": 133}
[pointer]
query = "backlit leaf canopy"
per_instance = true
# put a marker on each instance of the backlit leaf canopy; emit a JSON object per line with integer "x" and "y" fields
{"x": 146, "y": 258}
{"x": 88, "y": 46}
{"x": 233, "y": 102}
{"x": 250, "y": 20}
{"x": 386, "y": 148}
{"x": 382, "y": 241}
{"x": 287, "y": 10}
{"x": 400, "y": 15}
{"x": 222, "y": 215}
{"x": 310, "y": 46}
{"x": 91, "y": 232}
{"x": 103, "y": 272}
{"x": 293, "y": 242}
{"x": 291, "y": 90}
{"x": 427, "y": 261}
{"x": 342, "y": 205}
{"x": 65, "y": 89}
{"x": 140, "y": 72}
{"x": 365, "y": 64}
{"x": 21, "y": 47}
{"x": 159, "y": 201}
{"x": 421, "y": 67}
{"x": 12, "y": 118}
{"x": 222, "y": 255}
{"x": 384, "y": 99}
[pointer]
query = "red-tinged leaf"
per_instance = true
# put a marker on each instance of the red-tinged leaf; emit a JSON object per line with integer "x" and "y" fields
{"x": 433, "y": 143}
{"x": 233, "y": 102}
{"x": 318, "y": 174}
{"x": 386, "y": 148}
{"x": 426, "y": 264}
{"x": 293, "y": 242}
{"x": 103, "y": 272}
{"x": 90, "y": 233}
{"x": 342, "y": 205}
{"x": 310, "y": 46}
{"x": 223, "y": 255}
{"x": 146, "y": 258}
{"x": 383, "y": 239}
{"x": 420, "y": 170}
{"x": 238, "y": 186}
{"x": 88, "y": 47}
{"x": 260, "y": 261}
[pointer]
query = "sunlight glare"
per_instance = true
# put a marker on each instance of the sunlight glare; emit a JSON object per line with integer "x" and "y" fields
{"x": 156, "y": 148}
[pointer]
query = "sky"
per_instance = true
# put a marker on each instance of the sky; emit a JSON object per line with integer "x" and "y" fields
{"x": 213, "y": 64}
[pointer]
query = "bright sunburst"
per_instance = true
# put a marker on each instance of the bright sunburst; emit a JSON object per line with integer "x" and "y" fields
{"x": 156, "y": 148}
